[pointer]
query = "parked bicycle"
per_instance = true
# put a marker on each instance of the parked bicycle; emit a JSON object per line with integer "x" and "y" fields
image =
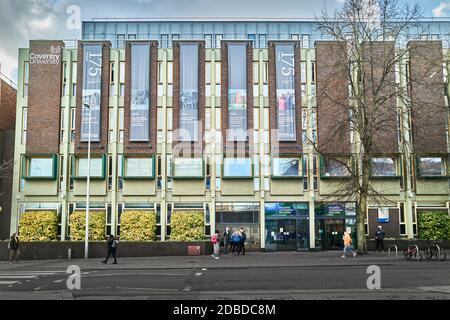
{"x": 413, "y": 252}
{"x": 434, "y": 250}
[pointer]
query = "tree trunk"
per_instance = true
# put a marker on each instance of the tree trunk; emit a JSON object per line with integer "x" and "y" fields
{"x": 361, "y": 219}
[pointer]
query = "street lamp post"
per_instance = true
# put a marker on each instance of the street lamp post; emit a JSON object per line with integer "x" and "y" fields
{"x": 88, "y": 182}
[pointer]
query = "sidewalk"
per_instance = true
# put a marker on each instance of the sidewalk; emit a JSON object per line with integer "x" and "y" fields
{"x": 250, "y": 260}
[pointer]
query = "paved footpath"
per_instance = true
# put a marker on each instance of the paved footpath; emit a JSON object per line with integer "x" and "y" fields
{"x": 250, "y": 260}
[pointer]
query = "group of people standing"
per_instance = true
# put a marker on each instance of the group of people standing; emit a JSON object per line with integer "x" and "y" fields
{"x": 232, "y": 242}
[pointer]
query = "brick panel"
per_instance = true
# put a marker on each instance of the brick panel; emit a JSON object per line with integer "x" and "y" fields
{"x": 381, "y": 106}
{"x": 427, "y": 88}
{"x": 231, "y": 146}
{"x": 44, "y": 99}
{"x": 201, "y": 98}
{"x": 333, "y": 125}
{"x": 96, "y": 147}
{"x": 133, "y": 146}
{"x": 391, "y": 229}
{"x": 7, "y": 106}
{"x": 285, "y": 146}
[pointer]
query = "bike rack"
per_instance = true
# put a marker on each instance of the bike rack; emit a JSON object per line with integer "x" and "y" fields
{"x": 439, "y": 252}
{"x": 417, "y": 252}
{"x": 396, "y": 252}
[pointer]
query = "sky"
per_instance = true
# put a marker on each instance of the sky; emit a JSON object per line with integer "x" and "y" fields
{"x": 24, "y": 20}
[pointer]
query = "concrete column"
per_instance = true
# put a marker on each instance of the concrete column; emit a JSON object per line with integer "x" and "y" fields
{"x": 262, "y": 215}
{"x": 212, "y": 139}
{"x": 164, "y": 148}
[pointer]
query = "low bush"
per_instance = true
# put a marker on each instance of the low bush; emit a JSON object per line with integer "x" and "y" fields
{"x": 38, "y": 226}
{"x": 97, "y": 223}
{"x": 187, "y": 225}
{"x": 433, "y": 225}
{"x": 138, "y": 225}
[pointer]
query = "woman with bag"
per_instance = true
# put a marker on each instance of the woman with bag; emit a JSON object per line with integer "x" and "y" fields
{"x": 112, "y": 248}
{"x": 348, "y": 248}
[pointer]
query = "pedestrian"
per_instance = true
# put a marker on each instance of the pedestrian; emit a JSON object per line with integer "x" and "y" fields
{"x": 226, "y": 240}
{"x": 236, "y": 241}
{"x": 348, "y": 248}
{"x": 215, "y": 242}
{"x": 379, "y": 238}
{"x": 242, "y": 242}
{"x": 13, "y": 247}
{"x": 112, "y": 243}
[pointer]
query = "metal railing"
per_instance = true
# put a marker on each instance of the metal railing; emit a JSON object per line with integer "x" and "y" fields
{"x": 396, "y": 252}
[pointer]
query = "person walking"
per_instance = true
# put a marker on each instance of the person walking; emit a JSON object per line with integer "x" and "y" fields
{"x": 215, "y": 242}
{"x": 348, "y": 248}
{"x": 13, "y": 247}
{"x": 226, "y": 240}
{"x": 242, "y": 242}
{"x": 379, "y": 238}
{"x": 112, "y": 243}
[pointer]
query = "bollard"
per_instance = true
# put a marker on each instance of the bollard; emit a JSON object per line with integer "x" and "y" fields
{"x": 69, "y": 253}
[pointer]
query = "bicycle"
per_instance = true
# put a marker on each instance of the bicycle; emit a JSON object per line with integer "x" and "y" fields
{"x": 413, "y": 252}
{"x": 435, "y": 250}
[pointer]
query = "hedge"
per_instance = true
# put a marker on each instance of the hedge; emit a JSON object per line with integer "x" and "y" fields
{"x": 38, "y": 226}
{"x": 138, "y": 225}
{"x": 187, "y": 225}
{"x": 97, "y": 223}
{"x": 433, "y": 225}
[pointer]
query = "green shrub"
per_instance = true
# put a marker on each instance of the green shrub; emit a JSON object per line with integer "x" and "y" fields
{"x": 138, "y": 225}
{"x": 187, "y": 225}
{"x": 97, "y": 224}
{"x": 38, "y": 226}
{"x": 433, "y": 225}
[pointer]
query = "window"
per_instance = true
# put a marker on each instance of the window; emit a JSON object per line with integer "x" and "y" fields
{"x": 305, "y": 41}
{"x": 187, "y": 168}
{"x": 26, "y": 74}
{"x": 131, "y": 37}
{"x": 175, "y": 37}
{"x": 40, "y": 168}
{"x": 237, "y": 168}
{"x": 208, "y": 79}
{"x": 96, "y": 168}
{"x": 208, "y": 40}
{"x": 252, "y": 38}
{"x": 286, "y": 167}
{"x": 122, "y": 78}
{"x": 383, "y": 167}
{"x": 72, "y": 124}
{"x": 219, "y": 38}
{"x": 112, "y": 86}
{"x": 164, "y": 41}
{"x": 262, "y": 41}
{"x": 120, "y": 40}
{"x": 218, "y": 78}
{"x": 62, "y": 127}
{"x": 24, "y": 125}
{"x": 139, "y": 168}
{"x": 64, "y": 82}
{"x": 110, "y": 172}
{"x": 431, "y": 167}
{"x": 295, "y": 36}
{"x": 170, "y": 79}
{"x": 434, "y": 37}
{"x": 314, "y": 125}
{"x": 121, "y": 124}
{"x": 112, "y": 124}
{"x": 119, "y": 172}
{"x": 335, "y": 167}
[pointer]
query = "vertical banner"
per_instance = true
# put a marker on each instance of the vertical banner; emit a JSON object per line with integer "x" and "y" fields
{"x": 188, "y": 92}
{"x": 92, "y": 77}
{"x": 140, "y": 93}
{"x": 285, "y": 85}
{"x": 237, "y": 92}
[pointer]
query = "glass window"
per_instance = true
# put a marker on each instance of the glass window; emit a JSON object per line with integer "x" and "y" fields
{"x": 237, "y": 167}
{"x": 208, "y": 40}
{"x": 120, "y": 40}
{"x": 131, "y": 37}
{"x": 262, "y": 41}
{"x": 252, "y": 38}
{"x": 383, "y": 167}
{"x": 40, "y": 167}
{"x": 218, "y": 40}
{"x": 96, "y": 168}
{"x": 164, "y": 41}
{"x": 305, "y": 40}
{"x": 188, "y": 167}
{"x": 286, "y": 167}
{"x": 139, "y": 167}
{"x": 335, "y": 167}
{"x": 431, "y": 167}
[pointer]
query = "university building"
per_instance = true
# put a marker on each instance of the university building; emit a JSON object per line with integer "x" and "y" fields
{"x": 222, "y": 116}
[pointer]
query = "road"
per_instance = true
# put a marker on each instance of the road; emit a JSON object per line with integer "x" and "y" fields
{"x": 406, "y": 281}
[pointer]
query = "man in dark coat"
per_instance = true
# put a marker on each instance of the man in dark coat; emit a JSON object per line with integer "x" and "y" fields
{"x": 112, "y": 248}
{"x": 379, "y": 238}
{"x": 14, "y": 249}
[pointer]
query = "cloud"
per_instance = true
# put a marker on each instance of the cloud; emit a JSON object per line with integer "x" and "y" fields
{"x": 439, "y": 10}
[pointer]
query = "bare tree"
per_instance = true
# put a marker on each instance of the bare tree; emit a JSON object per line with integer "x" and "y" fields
{"x": 6, "y": 169}
{"x": 367, "y": 41}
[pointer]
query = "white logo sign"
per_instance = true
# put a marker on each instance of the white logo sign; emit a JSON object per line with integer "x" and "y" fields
{"x": 53, "y": 57}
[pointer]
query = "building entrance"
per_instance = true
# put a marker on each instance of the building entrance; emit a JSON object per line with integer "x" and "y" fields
{"x": 287, "y": 234}
{"x": 329, "y": 234}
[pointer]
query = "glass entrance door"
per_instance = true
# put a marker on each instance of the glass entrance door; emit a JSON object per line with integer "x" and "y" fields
{"x": 287, "y": 234}
{"x": 329, "y": 234}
